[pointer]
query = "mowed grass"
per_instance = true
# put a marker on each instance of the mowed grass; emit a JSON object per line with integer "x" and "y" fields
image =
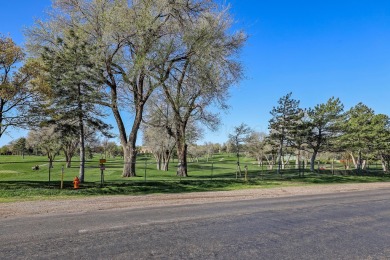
{"x": 19, "y": 182}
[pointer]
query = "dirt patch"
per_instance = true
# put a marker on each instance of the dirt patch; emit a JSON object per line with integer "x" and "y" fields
{"x": 90, "y": 204}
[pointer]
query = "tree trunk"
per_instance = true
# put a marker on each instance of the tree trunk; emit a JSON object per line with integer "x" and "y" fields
{"x": 312, "y": 160}
{"x": 129, "y": 146}
{"x": 258, "y": 159}
{"x": 355, "y": 164}
{"x": 82, "y": 152}
{"x": 285, "y": 162}
{"x": 384, "y": 166}
{"x": 157, "y": 157}
{"x": 158, "y": 163}
{"x": 182, "y": 157}
{"x": 165, "y": 167}
{"x": 68, "y": 159}
{"x": 385, "y": 162}
{"x": 364, "y": 164}
{"x": 51, "y": 159}
{"x": 270, "y": 161}
{"x": 129, "y": 156}
{"x": 280, "y": 154}
{"x": 360, "y": 160}
{"x": 333, "y": 166}
{"x": 166, "y": 159}
{"x": 82, "y": 136}
{"x": 297, "y": 159}
{"x": 1, "y": 116}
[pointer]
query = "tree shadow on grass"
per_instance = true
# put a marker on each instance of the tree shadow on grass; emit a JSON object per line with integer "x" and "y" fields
{"x": 39, "y": 189}
{"x": 24, "y": 189}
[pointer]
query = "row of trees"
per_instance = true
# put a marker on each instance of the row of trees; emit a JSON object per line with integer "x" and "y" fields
{"x": 134, "y": 59}
{"x": 358, "y": 133}
{"x": 48, "y": 142}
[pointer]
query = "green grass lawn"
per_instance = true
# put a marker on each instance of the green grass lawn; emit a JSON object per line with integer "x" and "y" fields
{"x": 19, "y": 182}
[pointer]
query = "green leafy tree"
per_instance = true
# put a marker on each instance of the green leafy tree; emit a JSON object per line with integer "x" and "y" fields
{"x": 204, "y": 75}
{"x": 159, "y": 131}
{"x": 256, "y": 146}
{"x": 379, "y": 143}
{"x": 323, "y": 121}
{"x": 48, "y": 141}
{"x": 75, "y": 82}
{"x": 241, "y": 134}
{"x": 160, "y": 144}
{"x": 70, "y": 139}
{"x": 299, "y": 139}
{"x": 137, "y": 43}
{"x": 358, "y": 129}
{"x": 143, "y": 44}
{"x": 14, "y": 94}
{"x": 286, "y": 118}
{"x": 20, "y": 146}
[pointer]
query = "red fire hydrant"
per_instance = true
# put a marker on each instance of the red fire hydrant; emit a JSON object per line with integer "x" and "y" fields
{"x": 76, "y": 182}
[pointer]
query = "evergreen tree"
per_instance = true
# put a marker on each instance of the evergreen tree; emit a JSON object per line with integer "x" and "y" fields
{"x": 240, "y": 135}
{"x": 358, "y": 132}
{"x": 75, "y": 83}
{"x": 286, "y": 118}
{"x": 323, "y": 123}
{"x": 380, "y": 139}
{"x": 21, "y": 146}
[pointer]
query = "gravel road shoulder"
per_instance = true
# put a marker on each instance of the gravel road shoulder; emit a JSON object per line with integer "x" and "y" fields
{"x": 90, "y": 204}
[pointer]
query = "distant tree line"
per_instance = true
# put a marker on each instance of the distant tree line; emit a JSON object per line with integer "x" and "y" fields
{"x": 356, "y": 135}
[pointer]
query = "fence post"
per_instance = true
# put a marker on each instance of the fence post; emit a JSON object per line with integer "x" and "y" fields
{"x": 145, "y": 169}
{"x": 62, "y": 177}
{"x": 261, "y": 170}
{"x": 101, "y": 176}
{"x": 318, "y": 166}
{"x": 212, "y": 170}
{"x": 49, "y": 172}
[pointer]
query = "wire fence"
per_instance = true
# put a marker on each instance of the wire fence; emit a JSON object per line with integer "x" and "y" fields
{"x": 146, "y": 170}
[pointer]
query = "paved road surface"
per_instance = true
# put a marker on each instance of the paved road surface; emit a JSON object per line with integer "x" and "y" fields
{"x": 354, "y": 225}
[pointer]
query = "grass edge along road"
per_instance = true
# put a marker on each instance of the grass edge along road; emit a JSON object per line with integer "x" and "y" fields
{"x": 18, "y": 182}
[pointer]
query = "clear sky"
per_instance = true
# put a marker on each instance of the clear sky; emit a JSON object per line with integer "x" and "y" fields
{"x": 314, "y": 49}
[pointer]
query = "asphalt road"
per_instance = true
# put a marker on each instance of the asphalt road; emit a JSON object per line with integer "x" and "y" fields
{"x": 340, "y": 226}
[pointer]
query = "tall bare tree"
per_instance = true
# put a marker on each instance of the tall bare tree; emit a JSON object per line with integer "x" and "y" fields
{"x": 160, "y": 144}
{"x": 138, "y": 42}
{"x": 256, "y": 145}
{"x": 158, "y": 128}
{"x": 203, "y": 77}
{"x": 48, "y": 140}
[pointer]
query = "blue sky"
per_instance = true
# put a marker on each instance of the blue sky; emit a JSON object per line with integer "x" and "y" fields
{"x": 314, "y": 49}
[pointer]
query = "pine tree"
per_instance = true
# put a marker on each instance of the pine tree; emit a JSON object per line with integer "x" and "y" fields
{"x": 357, "y": 132}
{"x": 283, "y": 125}
{"x": 324, "y": 120}
{"x": 75, "y": 80}
{"x": 380, "y": 139}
